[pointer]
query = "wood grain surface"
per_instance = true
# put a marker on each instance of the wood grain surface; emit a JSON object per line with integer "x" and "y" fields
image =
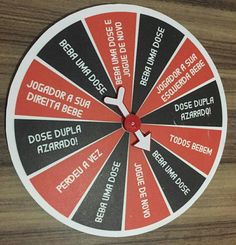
{"x": 212, "y": 219}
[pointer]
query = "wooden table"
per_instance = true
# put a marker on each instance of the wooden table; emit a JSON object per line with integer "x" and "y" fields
{"x": 212, "y": 219}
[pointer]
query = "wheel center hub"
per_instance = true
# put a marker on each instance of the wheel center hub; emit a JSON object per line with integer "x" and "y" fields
{"x": 132, "y": 123}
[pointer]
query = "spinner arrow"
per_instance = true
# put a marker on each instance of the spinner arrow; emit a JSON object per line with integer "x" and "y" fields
{"x": 131, "y": 122}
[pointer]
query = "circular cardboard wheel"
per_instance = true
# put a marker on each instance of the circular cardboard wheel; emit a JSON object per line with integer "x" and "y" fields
{"x": 126, "y": 167}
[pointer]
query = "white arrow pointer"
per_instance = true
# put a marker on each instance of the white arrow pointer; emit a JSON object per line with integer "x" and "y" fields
{"x": 144, "y": 141}
{"x": 118, "y": 101}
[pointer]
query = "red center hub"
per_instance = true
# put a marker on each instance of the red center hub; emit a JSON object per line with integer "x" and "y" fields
{"x": 132, "y": 123}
